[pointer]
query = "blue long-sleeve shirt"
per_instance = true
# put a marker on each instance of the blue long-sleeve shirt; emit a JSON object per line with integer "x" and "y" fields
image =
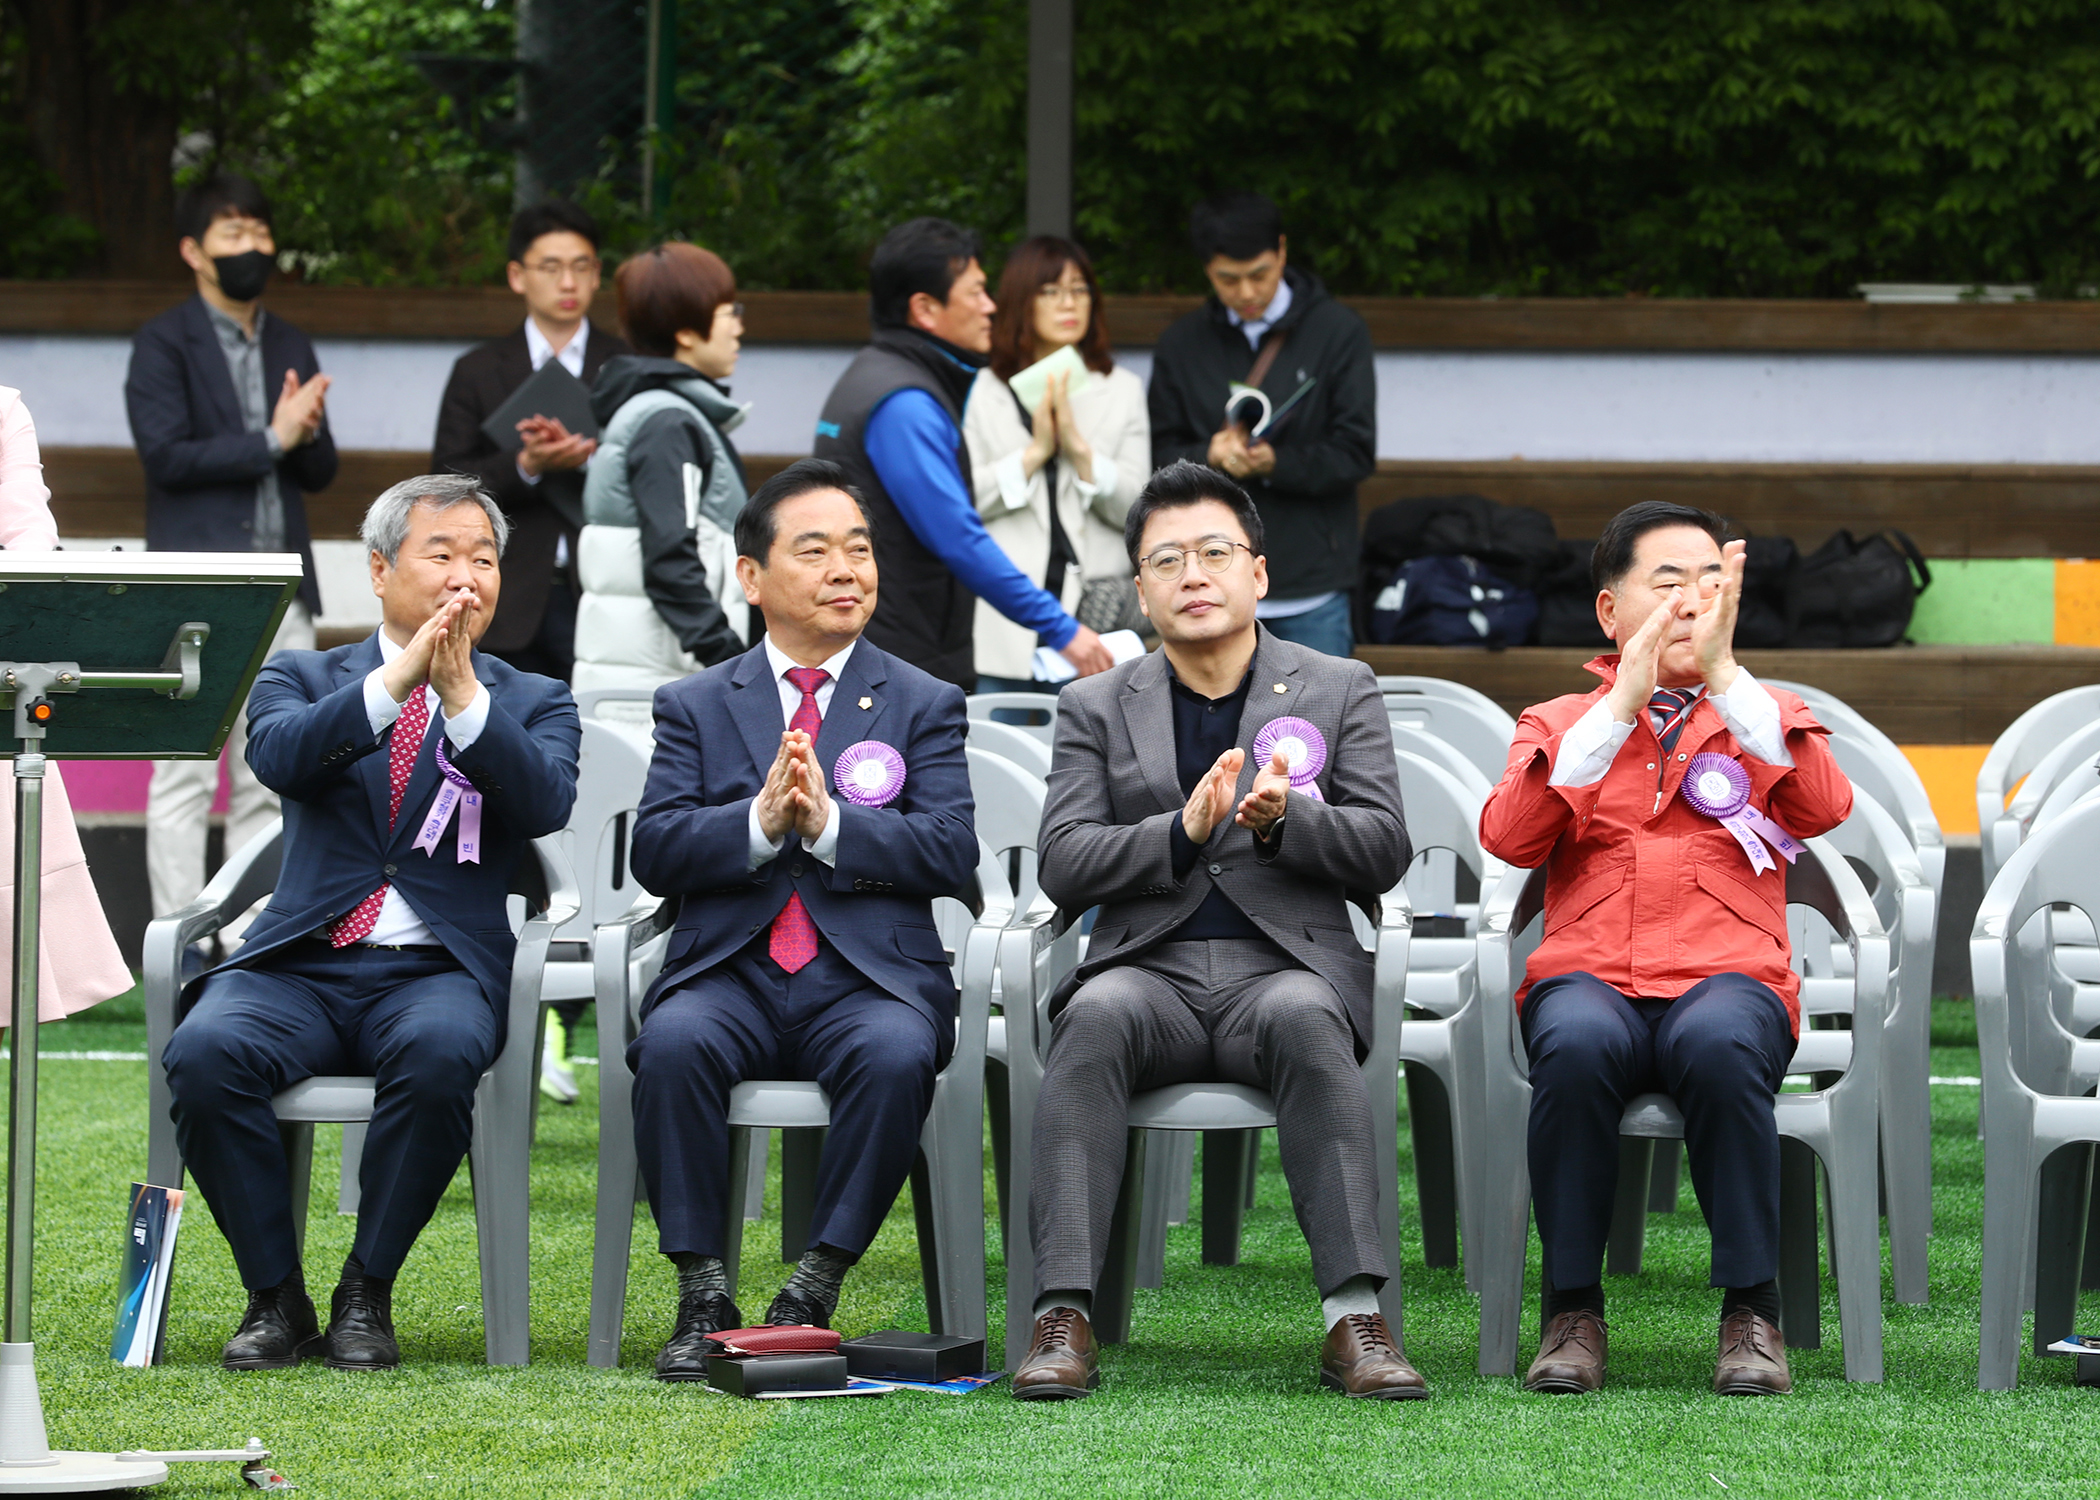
{"x": 912, "y": 444}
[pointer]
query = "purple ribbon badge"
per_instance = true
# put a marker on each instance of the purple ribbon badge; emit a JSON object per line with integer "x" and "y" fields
{"x": 1717, "y": 786}
{"x": 1303, "y": 748}
{"x": 457, "y": 792}
{"x": 869, "y": 774}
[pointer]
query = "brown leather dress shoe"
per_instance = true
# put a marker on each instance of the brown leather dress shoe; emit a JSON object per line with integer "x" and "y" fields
{"x": 1063, "y": 1362}
{"x": 1571, "y": 1356}
{"x": 1753, "y": 1357}
{"x": 1361, "y": 1359}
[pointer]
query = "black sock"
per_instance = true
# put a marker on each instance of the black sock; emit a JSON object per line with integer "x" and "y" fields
{"x": 352, "y": 1266}
{"x": 1553, "y": 1301}
{"x": 819, "y": 1275}
{"x": 1762, "y": 1299}
{"x": 700, "y": 1275}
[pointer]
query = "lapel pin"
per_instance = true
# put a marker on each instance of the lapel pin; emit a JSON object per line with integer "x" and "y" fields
{"x": 1281, "y": 688}
{"x": 867, "y": 703}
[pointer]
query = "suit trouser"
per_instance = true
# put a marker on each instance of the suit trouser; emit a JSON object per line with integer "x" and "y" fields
{"x": 178, "y": 799}
{"x": 1720, "y": 1050}
{"x": 410, "y": 1018}
{"x": 875, "y": 1056}
{"x": 1232, "y": 1010}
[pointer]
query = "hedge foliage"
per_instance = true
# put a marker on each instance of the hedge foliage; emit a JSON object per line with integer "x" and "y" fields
{"x": 1431, "y": 147}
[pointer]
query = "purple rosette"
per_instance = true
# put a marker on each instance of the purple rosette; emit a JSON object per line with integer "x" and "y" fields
{"x": 869, "y": 774}
{"x": 1302, "y": 746}
{"x": 1719, "y": 787}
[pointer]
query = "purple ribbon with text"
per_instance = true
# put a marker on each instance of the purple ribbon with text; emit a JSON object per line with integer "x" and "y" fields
{"x": 457, "y": 793}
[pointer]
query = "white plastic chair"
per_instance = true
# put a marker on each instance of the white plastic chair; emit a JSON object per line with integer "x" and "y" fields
{"x": 1399, "y": 691}
{"x": 1019, "y": 745}
{"x": 1878, "y": 767}
{"x": 1839, "y": 1124}
{"x": 499, "y": 1156}
{"x": 1036, "y": 712}
{"x": 1481, "y": 736}
{"x": 1032, "y": 962}
{"x": 2017, "y": 752}
{"x": 947, "y": 1182}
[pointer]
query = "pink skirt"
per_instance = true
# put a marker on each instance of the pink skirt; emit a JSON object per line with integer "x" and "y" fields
{"x": 80, "y": 964}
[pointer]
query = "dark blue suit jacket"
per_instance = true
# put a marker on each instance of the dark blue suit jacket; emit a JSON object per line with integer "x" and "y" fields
{"x": 310, "y": 742}
{"x": 716, "y": 735}
{"x": 201, "y": 462}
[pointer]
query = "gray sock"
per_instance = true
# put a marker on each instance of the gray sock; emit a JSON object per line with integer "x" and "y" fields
{"x": 1080, "y": 1302}
{"x": 819, "y": 1275}
{"x": 699, "y": 1275}
{"x": 1357, "y": 1295}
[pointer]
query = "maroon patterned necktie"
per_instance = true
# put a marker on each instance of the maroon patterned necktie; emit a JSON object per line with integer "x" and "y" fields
{"x": 793, "y": 941}
{"x": 400, "y": 763}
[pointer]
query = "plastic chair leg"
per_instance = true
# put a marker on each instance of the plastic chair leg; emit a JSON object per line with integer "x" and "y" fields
{"x": 1179, "y": 1170}
{"x": 925, "y": 1221}
{"x": 1250, "y": 1170}
{"x": 953, "y": 1153}
{"x": 1112, "y": 1293}
{"x": 2089, "y": 1276}
{"x": 755, "y": 1176}
{"x": 298, "y": 1142}
{"x": 1161, "y": 1151}
{"x": 1854, "y": 1172}
{"x": 349, "y": 1193}
{"x": 500, "y": 1157}
{"x": 1664, "y": 1176}
{"x": 1800, "y": 1278}
{"x": 1436, "y": 1169}
{"x": 1629, "y": 1206}
{"x": 2064, "y": 1188}
{"x": 799, "y": 1150}
{"x": 1225, "y": 1157}
{"x": 999, "y": 1109}
{"x": 2009, "y": 1194}
{"x": 733, "y": 1231}
{"x": 612, "y": 1243}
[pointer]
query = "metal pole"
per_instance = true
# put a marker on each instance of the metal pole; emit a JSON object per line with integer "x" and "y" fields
{"x": 659, "y": 101}
{"x": 1050, "y": 117}
{"x": 21, "y": 1073}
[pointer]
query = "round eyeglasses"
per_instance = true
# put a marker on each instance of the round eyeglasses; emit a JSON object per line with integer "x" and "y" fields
{"x": 1168, "y": 563}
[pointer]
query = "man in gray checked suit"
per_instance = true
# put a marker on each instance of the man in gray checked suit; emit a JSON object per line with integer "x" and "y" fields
{"x": 1222, "y": 800}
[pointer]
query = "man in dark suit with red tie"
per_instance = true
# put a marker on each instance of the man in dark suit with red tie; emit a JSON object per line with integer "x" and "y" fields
{"x": 385, "y": 949}
{"x": 554, "y": 267}
{"x": 805, "y": 944}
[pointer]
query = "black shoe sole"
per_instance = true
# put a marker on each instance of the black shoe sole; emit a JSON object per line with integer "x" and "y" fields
{"x": 307, "y": 1349}
{"x": 1388, "y": 1393}
{"x": 682, "y": 1377}
{"x": 1748, "y": 1388}
{"x": 341, "y": 1364}
{"x": 1058, "y": 1392}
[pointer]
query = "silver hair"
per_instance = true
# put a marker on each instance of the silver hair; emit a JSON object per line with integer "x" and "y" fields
{"x": 386, "y": 523}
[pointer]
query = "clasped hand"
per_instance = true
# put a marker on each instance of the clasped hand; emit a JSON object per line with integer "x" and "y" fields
{"x": 440, "y": 654}
{"x": 1209, "y": 803}
{"x": 1231, "y": 453}
{"x": 1711, "y": 605}
{"x": 795, "y": 795}
{"x": 550, "y": 446}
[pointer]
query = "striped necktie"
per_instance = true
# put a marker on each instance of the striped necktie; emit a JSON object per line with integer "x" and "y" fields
{"x": 1669, "y": 708}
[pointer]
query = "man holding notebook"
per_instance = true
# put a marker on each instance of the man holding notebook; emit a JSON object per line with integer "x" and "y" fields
{"x": 536, "y": 475}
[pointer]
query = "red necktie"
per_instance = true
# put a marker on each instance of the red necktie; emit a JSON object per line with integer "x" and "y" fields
{"x": 793, "y": 941}
{"x": 400, "y": 763}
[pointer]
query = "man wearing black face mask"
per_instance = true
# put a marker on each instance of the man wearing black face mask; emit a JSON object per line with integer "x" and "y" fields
{"x": 227, "y": 408}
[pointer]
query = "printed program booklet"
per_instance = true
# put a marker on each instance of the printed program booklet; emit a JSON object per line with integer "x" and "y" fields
{"x": 142, "y": 1277}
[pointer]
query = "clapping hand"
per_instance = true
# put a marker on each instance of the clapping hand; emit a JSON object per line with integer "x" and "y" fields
{"x": 1263, "y": 804}
{"x": 812, "y": 797}
{"x": 1640, "y": 659}
{"x": 452, "y": 654}
{"x": 1042, "y": 445}
{"x": 1071, "y": 442}
{"x": 776, "y": 799}
{"x": 1713, "y": 627}
{"x": 550, "y": 446}
{"x": 299, "y": 411}
{"x": 418, "y": 661}
{"x": 1211, "y": 801}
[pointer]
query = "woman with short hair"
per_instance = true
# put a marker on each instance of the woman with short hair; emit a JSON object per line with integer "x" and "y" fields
{"x": 660, "y": 501}
{"x": 1087, "y": 442}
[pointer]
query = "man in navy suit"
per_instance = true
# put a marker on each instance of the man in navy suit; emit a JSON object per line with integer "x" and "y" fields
{"x": 805, "y": 944}
{"x": 228, "y": 409}
{"x": 374, "y": 956}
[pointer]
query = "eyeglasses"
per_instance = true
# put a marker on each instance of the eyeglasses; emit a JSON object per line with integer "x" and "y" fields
{"x": 1056, "y": 294}
{"x": 554, "y": 269}
{"x": 1168, "y": 563}
{"x": 734, "y": 309}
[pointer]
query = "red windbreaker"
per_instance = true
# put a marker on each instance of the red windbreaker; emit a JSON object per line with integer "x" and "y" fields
{"x": 1641, "y": 890}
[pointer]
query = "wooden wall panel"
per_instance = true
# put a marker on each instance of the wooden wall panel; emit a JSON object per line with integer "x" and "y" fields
{"x": 1530, "y": 323}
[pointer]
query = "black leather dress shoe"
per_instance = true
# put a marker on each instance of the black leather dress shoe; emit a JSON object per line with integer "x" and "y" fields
{"x": 277, "y": 1331}
{"x": 361, "y": 1324}
{"x": 684, "y": 1356}
{"x": 793, "y": 1310}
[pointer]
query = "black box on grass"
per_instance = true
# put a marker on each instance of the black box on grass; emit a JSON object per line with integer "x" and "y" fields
{"x": 2088, "y": 1372}
{"x": 897, "y": 1354}
{"x": 758, "y": 1374}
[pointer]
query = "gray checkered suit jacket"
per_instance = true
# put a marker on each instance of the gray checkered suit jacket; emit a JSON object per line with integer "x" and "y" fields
{"x": 1114, "y": 798}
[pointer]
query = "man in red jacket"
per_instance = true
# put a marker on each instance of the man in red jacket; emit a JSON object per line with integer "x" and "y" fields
{"x": 1665, "y": 962}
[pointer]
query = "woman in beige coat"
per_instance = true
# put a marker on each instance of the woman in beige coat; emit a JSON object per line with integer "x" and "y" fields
{"x": 1092, "y": 444}
{"x": 80, "y": 965}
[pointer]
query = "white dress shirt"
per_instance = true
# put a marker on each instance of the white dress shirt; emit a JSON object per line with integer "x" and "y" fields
{"x": 398, "y": 922}
{"x": 1748, "y": 709}
{"x": 824, "y": 846}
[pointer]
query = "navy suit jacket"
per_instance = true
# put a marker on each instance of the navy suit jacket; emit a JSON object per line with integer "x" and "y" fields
{"x": 201, "y": 463}
{"x": 310, "y": 742}
{"x": 717, "y": 733}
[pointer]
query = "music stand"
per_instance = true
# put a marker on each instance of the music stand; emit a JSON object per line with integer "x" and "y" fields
{"x": 107, "y": 656}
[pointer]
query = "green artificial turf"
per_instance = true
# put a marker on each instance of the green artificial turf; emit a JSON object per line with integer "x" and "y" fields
{"x": 1214, "y": 1394}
